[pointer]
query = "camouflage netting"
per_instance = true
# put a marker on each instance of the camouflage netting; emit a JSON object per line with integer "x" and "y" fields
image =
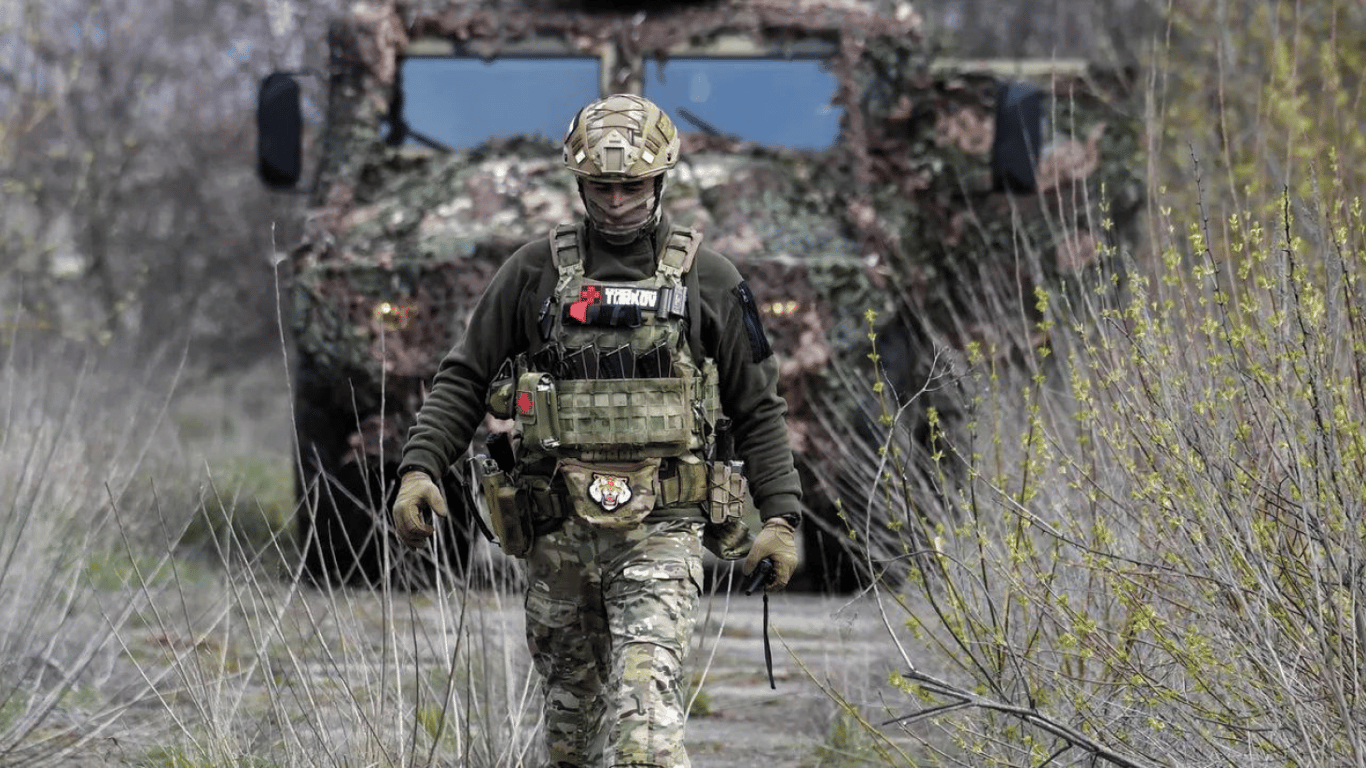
{"x": 378, "y": 208}
{"x": 933, "y": 190}
{"x": 899, "y": 217}
{"x": 392, "y": 291}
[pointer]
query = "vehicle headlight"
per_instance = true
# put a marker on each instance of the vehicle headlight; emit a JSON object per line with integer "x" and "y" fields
{"x": 394, "y": 316}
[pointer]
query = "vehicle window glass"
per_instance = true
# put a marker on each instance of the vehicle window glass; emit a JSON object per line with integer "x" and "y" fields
{"x": 784, "y": 102}
{"x": 465, "y": 102}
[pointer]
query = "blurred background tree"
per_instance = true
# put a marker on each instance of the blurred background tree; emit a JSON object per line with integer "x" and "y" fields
{"x": 132, "y": 214}
{"x": 1268, "y": 99}
{"x": 1102, "y": 31}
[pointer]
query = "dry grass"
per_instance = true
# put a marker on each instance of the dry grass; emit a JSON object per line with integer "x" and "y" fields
{"x": 149, "y": 620}
{"x": 1144, "y": 547}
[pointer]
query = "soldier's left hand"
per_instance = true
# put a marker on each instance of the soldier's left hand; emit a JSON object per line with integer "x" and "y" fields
{"x": 415, "y": 491}
{"x": 777, "y": 541}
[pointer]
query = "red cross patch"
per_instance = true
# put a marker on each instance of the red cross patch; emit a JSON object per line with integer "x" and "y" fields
{"x": 588, "y": 295}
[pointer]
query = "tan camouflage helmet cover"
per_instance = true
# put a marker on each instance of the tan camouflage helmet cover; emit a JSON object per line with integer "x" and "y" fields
{"x": 621, "y": 138}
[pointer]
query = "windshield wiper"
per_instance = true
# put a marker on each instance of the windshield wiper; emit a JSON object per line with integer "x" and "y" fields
{"x": 425, "y": 140}
{"x": 400, "y": 131}
{"x": 701, "y": 124}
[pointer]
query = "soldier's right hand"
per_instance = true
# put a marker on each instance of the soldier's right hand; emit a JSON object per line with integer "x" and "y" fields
{"x": 416, "y": 491}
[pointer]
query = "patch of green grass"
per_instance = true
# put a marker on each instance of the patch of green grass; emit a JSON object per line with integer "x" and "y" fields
{"x": 847, "y": 745}
{"x": 116, "y": 569}
{"x": 245, "y": 505}
{"x": 194, "y": 426}
{"x": 702, "y": 705}
{"x": 429, "y": 717}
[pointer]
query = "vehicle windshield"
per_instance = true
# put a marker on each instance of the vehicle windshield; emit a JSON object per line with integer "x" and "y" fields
{"x": 782, "y": 102}
{"x": 463, "y": 102}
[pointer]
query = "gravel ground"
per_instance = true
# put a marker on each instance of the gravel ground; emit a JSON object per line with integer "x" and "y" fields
{"x": 815, "y": 641}
{"x": 301, "y": 664}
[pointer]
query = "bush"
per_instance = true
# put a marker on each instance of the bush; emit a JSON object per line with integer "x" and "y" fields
{"x": 1146, "y": 546}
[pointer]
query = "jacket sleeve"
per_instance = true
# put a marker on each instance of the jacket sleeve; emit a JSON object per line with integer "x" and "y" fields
{"x": 748, "y": 372}
{"x": 498, "y": 330}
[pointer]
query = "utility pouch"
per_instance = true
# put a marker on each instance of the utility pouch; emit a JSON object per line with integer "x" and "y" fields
{"x": 509, "y": 510}
{"x": 535, "y": 408}
{"x": 500, "y": 395}
{"x": 726, "y": 535}
{"x": 612, "y": 495}
{"x": 730, "y": 540}
{"x": 683, "y": 481}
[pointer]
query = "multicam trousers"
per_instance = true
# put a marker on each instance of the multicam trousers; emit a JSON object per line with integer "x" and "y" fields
{"x": 610, "y": 615}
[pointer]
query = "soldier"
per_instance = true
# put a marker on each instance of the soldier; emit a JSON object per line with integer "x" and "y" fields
{"x": 635, "y": 365}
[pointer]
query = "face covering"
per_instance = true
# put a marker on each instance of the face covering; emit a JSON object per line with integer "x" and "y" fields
{"x": 620, "y": 215}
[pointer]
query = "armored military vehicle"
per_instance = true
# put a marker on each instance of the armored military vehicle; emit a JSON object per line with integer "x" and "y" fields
{"x": 844, "y": 164}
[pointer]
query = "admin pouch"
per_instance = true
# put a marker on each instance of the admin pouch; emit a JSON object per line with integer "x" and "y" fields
{"x": 611, "y": 495}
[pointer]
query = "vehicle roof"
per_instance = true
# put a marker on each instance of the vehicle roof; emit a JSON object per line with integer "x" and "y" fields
{"x": 659, "y": 26}
{"x": 626, "y": 32}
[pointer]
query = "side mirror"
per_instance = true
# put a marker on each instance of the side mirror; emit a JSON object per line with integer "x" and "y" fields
{"x": 1016, "y": 147}
{"x": 279, "y": 131}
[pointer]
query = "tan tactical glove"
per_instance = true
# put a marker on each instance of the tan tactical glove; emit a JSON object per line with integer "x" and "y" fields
{"x": 776, "y": 542}
{"x": 416, "y": 491}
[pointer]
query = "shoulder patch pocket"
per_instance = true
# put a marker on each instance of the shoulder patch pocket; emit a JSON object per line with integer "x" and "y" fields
{"x": 754, "y": 329}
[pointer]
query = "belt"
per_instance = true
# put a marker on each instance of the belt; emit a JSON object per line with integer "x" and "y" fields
{"x": 682, "y": 488}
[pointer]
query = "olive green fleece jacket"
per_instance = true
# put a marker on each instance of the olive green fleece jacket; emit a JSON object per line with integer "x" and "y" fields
{"x": 504, "y": 324}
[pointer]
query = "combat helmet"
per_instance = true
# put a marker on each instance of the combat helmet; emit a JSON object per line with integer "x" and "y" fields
{"x": 621, "y": 139}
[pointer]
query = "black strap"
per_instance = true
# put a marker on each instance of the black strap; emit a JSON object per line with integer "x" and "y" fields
{"x": 768, "y": 650}
{"x": 760, "y": 577}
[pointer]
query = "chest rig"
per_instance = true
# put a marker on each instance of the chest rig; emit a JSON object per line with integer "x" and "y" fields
{"x": 616, "y": 378}
{"x": 618, "y": 410}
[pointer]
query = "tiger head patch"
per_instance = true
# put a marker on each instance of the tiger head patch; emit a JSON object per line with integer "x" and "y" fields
{"x": 609, "y": 491}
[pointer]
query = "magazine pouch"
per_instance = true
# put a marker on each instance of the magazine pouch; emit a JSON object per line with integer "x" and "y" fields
{"x": 726, "y": 535}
